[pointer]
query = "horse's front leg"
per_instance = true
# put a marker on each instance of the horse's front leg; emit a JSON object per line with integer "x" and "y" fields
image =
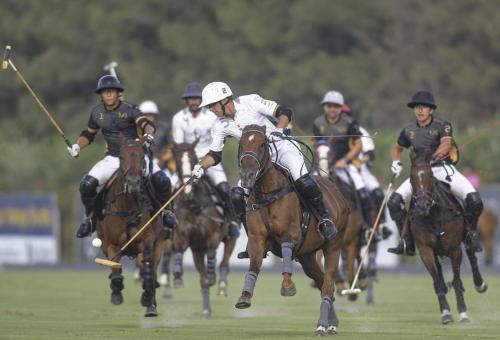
{"x": 165, "y": 268}
{"x": 148, "y": 298}
{"x": 181, "y": 243}
{"x": 116, "y": 277}
{"x": 287, "y": 285}
{"x": 256, "y": 249}
{"x": 328, "y": 321}
{"x": 229, "y": 244}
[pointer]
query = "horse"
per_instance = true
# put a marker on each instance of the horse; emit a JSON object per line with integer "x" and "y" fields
{"x": 274, "y": 216}
{"x": 486, "y": 226}
{"x": 123, "y": 207}
{"x": 438, "y": 226}
{"x": 353, "y": 238}
{"x": 201, "y": 227}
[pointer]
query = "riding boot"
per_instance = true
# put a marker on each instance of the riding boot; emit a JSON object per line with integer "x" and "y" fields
{"x": 367, "y": 210}
{"x": 309, "y": 189}
{"x": 473, "y": 209}
{"x": 378, "y": 198}
{"x": 406, "y": 244}
{"x": 230, "y": 219}
{"x": 88, "y": 194}
{"x": 162, "y": 188}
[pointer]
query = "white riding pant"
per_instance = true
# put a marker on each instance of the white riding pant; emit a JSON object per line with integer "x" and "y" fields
{"x": 460, "y": 185}
{"x": 290, "y": 157}
{"x": 216, "y": 174}
{"x": 369, "y": 179}
{"x": 350, "y": 171}
{"x": 105, "y": 168}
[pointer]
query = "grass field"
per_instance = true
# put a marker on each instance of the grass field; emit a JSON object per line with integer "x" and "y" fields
{"x": 75, "y": 305}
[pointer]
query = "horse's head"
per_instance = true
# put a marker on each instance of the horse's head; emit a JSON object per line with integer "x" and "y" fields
{"x": 421, "y": 182}
{"x": 132, "y": 164}
{"x": 254, "y": 154}
{"x": 185, "y": 159}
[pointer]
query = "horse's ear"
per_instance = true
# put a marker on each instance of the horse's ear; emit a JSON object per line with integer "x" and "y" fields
{"x": 428, "y": 155}
{"x": 413, "y": 155}
{"x": 121, "y": 139}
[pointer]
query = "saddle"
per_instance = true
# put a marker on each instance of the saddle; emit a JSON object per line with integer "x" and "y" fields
{"x": 264, "y": 201}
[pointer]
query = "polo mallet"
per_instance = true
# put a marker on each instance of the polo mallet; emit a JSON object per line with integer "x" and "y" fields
{"x": 116, "y": 265}
{"x": 353, "y": 290}
{"x": 8, "y": 61}
{"x": 111, "y": 68}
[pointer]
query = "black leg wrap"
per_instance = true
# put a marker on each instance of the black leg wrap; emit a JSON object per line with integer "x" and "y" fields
{"x": 367, "y": 205}
{"x": 162, "y": 186}
{"x": 377, "y": 199}
{"x": 238, "y": 202}
{"x": 474, "y": 208}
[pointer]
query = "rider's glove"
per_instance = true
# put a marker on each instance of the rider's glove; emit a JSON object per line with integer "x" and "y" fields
{"x": 197, "y": 171}
{"x": 149, "y": 140}
{"x": 396, "y": 168}
{"x": 74, "y": 150}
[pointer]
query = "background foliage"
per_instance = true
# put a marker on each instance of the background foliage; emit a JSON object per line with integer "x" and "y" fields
{"x": 378, "y": 53}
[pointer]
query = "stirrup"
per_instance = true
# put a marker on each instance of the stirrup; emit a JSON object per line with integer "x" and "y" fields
{"x": 327, "y": 228}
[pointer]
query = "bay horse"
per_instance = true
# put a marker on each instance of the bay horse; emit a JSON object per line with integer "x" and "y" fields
{"x": 486, "y": 226}
{"x": 274, "y": 216}
{"x": 353, "y": 238}
{"x": 201, "y": 227}
{"x": 438, "y": 226}
{"x": 122, "y": 209}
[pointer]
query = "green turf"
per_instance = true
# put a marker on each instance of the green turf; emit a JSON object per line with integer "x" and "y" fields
{"x": 75, "y": 305}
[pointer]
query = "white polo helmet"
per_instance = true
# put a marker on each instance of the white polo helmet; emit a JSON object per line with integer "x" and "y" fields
{"x": 333, "y": 97}
{"x": 214, "y": 92}
{"x": 149, "y": 107}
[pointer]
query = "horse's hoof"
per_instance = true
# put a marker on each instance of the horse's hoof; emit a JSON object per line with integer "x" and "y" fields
{"x": 482, "y": 288}
{"x": 178, "y": 283}
{"x": 163, "y": 281}
{"x": 206, "y": 314}
{"x": 151, "y": 311}
{"x": 243, "y": 302}
{"x": 167, "y": 292}
{"x": 320, "y": 331}
{"x": 352, "y": 297}
{"x": 288, "y": 291}
{"x": 331, "y": 330}
{"x": 463, "y": 318}
{"x": 116, "y": 298}
{"x": 222, "y": 291}
{"x": 137, "y": 276}
{"x": 446, "y": 317}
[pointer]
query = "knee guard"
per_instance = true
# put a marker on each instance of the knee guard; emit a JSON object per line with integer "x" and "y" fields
{"x": 224, "y": 189}
{"x": 473, "y": 207}
{"x": 396, "y": 206}
{"x": 162, "y": 186}
{"x": 88, "y": 190}
{"x": 309, "y": 189}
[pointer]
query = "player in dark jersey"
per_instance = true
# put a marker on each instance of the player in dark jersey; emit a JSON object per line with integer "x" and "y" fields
{"x": 429, "y": 133}
{"x": 115, "y": 117}
{"x": 338, "y": 133}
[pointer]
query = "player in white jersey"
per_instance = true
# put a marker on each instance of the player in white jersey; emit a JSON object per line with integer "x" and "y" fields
{"x": 194, "y": 123}
{"x": 237, "y": 113}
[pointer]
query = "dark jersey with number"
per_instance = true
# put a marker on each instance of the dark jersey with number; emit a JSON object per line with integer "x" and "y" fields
{"x": 339, "y": 135}
{"x": 425, "y": 139}
{"x": 121, "y": 120}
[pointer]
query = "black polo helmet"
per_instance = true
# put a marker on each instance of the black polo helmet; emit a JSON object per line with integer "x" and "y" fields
{"x": 422, "y": 98}
{"x": 192, "y": 90}
{"x": 108, "y": 81}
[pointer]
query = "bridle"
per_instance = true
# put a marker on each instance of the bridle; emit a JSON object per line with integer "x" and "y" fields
{"x": 262, "y": 163}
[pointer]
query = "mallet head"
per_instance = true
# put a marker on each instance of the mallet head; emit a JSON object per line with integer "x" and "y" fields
{"x": 6, "y": 57}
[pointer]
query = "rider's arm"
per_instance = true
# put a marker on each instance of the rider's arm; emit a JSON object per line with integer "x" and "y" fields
{"x": 284, "y": 115}
{"x": 207, "y": 161}
{"x": 396, "y": 152}
{"x": 86, "y": 137}
{"x": 403, "y": 142}
{"x": 146, "y": 125}
{"x": 354, "y": 151}
{"x": 446, "y": 141}
{"x": 177, "y": 131}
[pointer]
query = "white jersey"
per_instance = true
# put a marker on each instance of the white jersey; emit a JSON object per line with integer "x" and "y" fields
{"x": 250, "y": 109}
{"x": 186, "y": 129}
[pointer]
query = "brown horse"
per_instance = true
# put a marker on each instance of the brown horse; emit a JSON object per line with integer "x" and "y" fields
{"x": 274, "y": 217}
{"x": 125, "y": 208}
{"x": 353, "y": 238}
{"x": 201, "y": 227}
{"x": 486, "y": 226}
{"x": 438, "y": 225}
